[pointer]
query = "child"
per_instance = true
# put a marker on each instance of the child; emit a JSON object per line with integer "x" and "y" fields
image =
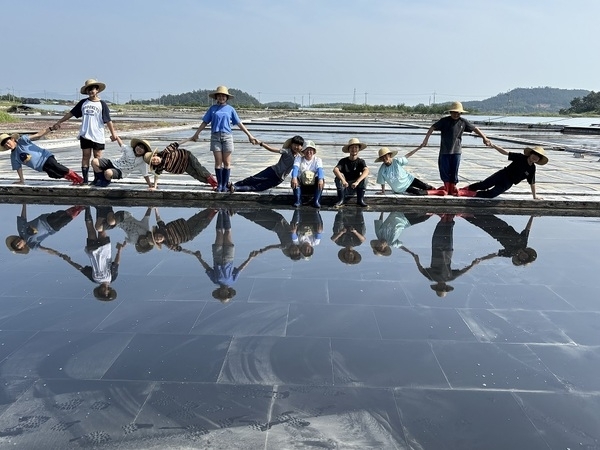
{"x": 273, "y": 175}
{"x": 94, "y": 113}
{"x": 177, "y": 160}
{"x": 23, "y": 151}
{"x": 351, "y": 174}
{"x": 220, "y": 117}
{"x": 131, "y": 159}
{"x": 452, "y": 128}
{"x": 521, "y": 168}
{"x": 308, "y": 175}
{"x": 393, "y": 172}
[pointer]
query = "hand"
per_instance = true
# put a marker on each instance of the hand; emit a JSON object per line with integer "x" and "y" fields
{"x": 353, "y": 185}
{"x": 294, "y": 183}
{"x": 55, "y": 127}
{"x": 253, "y": 140}
{"x": 194, "y": 138}
{"x": 198, "y": 254}
{"x": 380, "y": 192}
{"x": 19, "y": 182}
{"x": 254, "y": 253}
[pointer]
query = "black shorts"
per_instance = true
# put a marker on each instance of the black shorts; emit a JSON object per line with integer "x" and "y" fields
{"x": 84, "y": 144}
{"x": 105, "y": 163}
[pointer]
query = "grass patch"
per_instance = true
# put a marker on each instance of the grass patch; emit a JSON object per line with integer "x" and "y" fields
{"x": 7, "y": 118}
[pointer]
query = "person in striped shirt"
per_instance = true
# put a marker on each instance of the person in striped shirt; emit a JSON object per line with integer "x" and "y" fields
{"x": 178, "y": 160}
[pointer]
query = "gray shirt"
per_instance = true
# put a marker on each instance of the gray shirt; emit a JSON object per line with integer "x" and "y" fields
{"x": 285, "y": 163}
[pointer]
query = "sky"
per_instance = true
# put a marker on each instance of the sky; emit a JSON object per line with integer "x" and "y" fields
{"x": 305, "y": 51}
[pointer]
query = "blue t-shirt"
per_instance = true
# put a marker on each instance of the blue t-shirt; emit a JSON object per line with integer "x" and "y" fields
{"x": 221, "y": 118}
{"x": 395, "y": 175}
{"x": 39, "y": 155}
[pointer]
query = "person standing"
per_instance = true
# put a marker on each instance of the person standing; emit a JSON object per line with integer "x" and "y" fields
{"x": 221, "y": 117}
{"x": 95, "y": 114}
{"x": 351, "y": 174}
{"x": 452, "y": 128}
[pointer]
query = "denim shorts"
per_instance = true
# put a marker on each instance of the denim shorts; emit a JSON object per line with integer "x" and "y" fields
{"x": 221, "y": 142}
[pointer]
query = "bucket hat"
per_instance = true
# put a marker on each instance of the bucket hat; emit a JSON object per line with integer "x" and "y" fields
{"x": 353, "y": 141}
{"x": 220, "y": 90}
{"x": 538, "y": 151}
{"x": 456, "y": 107}
{"x": 92, "y": 82}
{"x": 309, "y": 144}
{"x": 384, "y": 151}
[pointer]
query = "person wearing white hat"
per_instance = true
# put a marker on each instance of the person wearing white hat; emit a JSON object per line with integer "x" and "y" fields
{"x": 308, "y": 175}
{"x": 521, "y": 168}
{"x": 94, "y": 114}
{"x": 221, "y": 117}
{"x": 451, "y": 128}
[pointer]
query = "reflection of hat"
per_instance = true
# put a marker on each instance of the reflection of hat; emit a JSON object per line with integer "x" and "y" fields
{"x": 91, "y": 82}
{"x": 441, "y": 289}
{"x": 375, "y": 244}
{"x": 224, "y": 293}
{"x": 349, "y": 256}
{"x": 135, "y": 142}
{"x": 107, "y": 296}
{"x": 538, "y": 151}
{"x": 354, "y": 141}
{"x": 10, "y": 242}
{"x": 530, "y": 256}
{"x": 384, "y": 151}
{"x": 456, "y": 107}
{"x": 309, "y": 144}
{"x": 220, "y": 90}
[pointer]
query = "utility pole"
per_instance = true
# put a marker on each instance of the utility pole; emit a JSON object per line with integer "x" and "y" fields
{"x": 366, "y": 93}
{"x": 354, "y": 97}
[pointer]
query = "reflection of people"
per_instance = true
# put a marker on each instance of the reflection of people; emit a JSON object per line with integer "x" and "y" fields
{"x": 452, "y": 128}
{"x": 349, "y": 231}
{"x": 103, "y": 269}
{"x": 32, "y": 233}
{"x": 388, "y": 231}
{"x": 174, "y": 159}
{"x": 307, "y": 230}
{"x": 442, "y": 249}
{"x": 393, "y": 173}
{"x": 94, "y": 115}
{"x": 514, "y": 243}
{"x": 273, "y": 175}
{"x": 221, "y": 117}
{"x": 137, "y": 232}
{"x": 24, "y": 151}
{"x": 180, "y": 231}
{"x": 307, "y": 175}
{"x": 275, "y": 222}
{"x": 223, "y": 272}
{"x": 105, "y": 170}
{"x": 351, "y": 174}
{"x": 521, "y": 168}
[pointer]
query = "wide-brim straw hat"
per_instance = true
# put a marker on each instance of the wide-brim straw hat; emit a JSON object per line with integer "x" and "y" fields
{"x": 309, "y": 144}
{"x": 538, "y": 151}
{"x": 6, "y": 136}
{"x": 456, "y": 107}
{"x": 349, "y": 256}
{"x": 92, "y": 82}
{"x": 385, "y": 151}
{"x": 148, "y": 156}
{"x": 135, "y": 142}
{"x": 387, "y": 251}
{"x": 220, "y": 90}
{"x": 531, "y": 257}
{"x": 354, "y": 141}
{"x": 10, "y": 240}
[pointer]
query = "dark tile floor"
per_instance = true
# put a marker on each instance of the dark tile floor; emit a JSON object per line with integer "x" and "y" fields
{"x": 420, "y": 349}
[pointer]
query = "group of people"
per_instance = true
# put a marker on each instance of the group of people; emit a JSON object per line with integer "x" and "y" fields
{"x": 297, "y": 157}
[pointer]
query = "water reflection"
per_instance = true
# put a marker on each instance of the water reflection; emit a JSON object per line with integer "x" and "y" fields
{"x": 349, "y": 231}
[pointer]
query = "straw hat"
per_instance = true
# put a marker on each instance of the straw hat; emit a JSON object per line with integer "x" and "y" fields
{"x": 456, "y": 107}
{"x": 309, "y": 144}
{"x": 354, "y": 141}
{"x": 288, "y": 143}
{"x": 377, "y": 250}
{"x": 349, "y": 256}
{"x": 538, "y": 151}
{"x": 135, "y": 142}
{"x": 524, "y": 256}
{"x": 5, "y": 136}
{"x": 149, "y": 155}
{"x": 385, "y": 151}
{"x": 10, "y": 241}
{"x": 220, "y": 90}
{"x": 92, "y": 82}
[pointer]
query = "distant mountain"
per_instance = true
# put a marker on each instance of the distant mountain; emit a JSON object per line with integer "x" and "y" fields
{"x": 527, "y": 100}
{"x": 200, "y": 98}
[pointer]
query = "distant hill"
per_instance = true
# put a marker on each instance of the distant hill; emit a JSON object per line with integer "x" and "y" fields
{"x": 527, "y": 100}
{"x": 201, "y": 98}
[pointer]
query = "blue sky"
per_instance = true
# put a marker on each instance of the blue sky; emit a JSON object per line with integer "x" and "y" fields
{"x": 381, "y": 51}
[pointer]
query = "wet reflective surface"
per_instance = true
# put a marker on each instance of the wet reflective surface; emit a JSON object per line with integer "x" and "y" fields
{"x": 256, "y": 328}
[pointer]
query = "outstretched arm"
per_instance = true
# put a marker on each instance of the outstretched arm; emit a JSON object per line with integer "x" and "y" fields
{"x": 64, "y": 118}
{"x": 198, "y": 131}
{"x": 427, "y": 135}
{"x": 499, "y": 149}
{"x": 268, "y": 147}
{"x": 251, "y": 138}
{"x": 412, "y": 152}
{"x": 40, "y": 134}
{"x": 479, "y": 133}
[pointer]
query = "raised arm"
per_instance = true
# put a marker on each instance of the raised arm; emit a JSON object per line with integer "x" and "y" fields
{"x": 479, "y": 133}
{"x": 498, "y": 149}
{"x": 427, "y": 135}
{"x": 40, "y": 134}
{"x": 268, "y": 147}
{"x": 251, "y": 138}
{"x": 64, "y": 118}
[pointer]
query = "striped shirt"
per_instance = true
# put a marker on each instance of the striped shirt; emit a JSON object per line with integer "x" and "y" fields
{"x": 173, "y": 159}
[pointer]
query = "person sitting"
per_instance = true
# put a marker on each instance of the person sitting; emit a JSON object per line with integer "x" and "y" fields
{"x": 307, "y": 175}
{"x": 105, "y": 170}
{"x": 393, "y": 173}
{"x": 273, "y": 175}
{"x": 351, "y": 174}
{"x": 521, "y": 168}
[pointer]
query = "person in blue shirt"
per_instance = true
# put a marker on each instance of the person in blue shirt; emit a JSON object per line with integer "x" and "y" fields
{"x": 221, "y": 117}
{"x": 24, "y": 152}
